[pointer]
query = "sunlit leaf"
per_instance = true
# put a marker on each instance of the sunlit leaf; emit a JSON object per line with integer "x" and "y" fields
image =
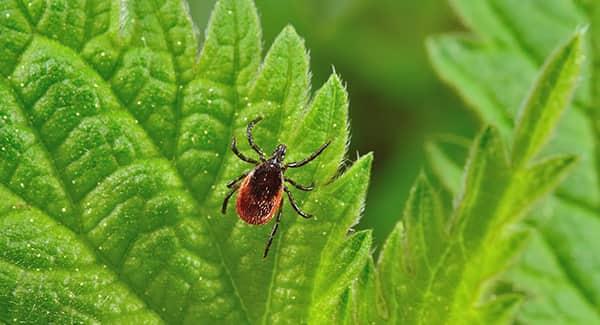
{"x": 114, "y": 160}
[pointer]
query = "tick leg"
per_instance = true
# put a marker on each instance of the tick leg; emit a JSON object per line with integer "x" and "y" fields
{"x": 234, "y": 182}
{"x": 300, "y": 187}
{"x": 295, "y": 206}
{"x": 309, "y": 158}
{"x": 240, "y": 155}
{"x": 228, "y": 196}
{"x": 251, "y": 138}
{"x": 273, "y": 231}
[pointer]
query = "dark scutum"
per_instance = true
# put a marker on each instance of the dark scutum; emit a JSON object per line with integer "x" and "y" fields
{"x": 266, "y": 182}
{"x": 260, "y": 196}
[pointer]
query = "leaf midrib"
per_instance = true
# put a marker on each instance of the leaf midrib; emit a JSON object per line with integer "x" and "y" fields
{"x": 278, "y": 244}
{"x": 157, "y": 148}
{"x": 178, "y": 102}
{"x": 219, "y": 174}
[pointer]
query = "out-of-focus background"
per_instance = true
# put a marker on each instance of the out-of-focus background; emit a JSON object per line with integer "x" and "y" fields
{"x": 396, "y": 100}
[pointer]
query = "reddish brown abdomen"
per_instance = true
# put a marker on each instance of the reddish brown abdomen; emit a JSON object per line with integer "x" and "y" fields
{"x": 260, "y": 194}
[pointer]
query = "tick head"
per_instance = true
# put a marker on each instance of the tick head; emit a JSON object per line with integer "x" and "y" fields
{"x": 279, "y": 154}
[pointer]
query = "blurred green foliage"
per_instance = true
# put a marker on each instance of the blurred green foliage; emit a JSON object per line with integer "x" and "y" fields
{"x": 396, "y": 100}
{"x": 490, "y": 68}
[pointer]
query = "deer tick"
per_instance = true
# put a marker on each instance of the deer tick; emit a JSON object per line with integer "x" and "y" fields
{"x": 261, "y": 188}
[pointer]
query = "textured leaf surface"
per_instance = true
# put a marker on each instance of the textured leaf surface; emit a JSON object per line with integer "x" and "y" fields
{"x": 557, "y": 272}
{"x": 114, "y": 155}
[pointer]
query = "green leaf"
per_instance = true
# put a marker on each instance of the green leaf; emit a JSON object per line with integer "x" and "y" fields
{"x": 114, "y": 160}
{"x": 437, "y": 268}
{"x": 545, "y": 103}
{"x": 454, "y": 283}
{"x": 556, "y": 299}
{"x": 489, "y": 72}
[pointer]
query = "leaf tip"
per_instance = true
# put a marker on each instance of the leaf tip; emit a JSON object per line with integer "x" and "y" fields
{"x": 289, "y": 43}
{"x": 364, "y": 236}
{"x": 335, "y": 80}
{"x": 362, "y": 167}
{"x": 549, "y": 97}
{"x": 290, "y": 33}
{"x": 334, "y": 86}
{"x": 576, "y": 43}
{"x": 366, "y": 160}
{"x": 362, "y": 241}
{"x": 422, "y": 179}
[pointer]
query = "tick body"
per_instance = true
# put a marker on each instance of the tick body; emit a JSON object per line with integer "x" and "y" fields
{"x": 260, "y": 194}
{"x": 261, "y": 189}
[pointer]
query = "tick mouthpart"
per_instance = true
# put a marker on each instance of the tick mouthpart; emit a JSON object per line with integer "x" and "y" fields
{"x": 279, "y": 153}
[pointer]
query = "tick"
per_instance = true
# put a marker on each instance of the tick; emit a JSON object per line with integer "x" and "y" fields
{"x": 261, "y": 188}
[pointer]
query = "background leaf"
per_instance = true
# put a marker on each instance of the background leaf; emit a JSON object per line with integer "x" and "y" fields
{"x": 555, "y": 273}
{"x": 443, "y": 267}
